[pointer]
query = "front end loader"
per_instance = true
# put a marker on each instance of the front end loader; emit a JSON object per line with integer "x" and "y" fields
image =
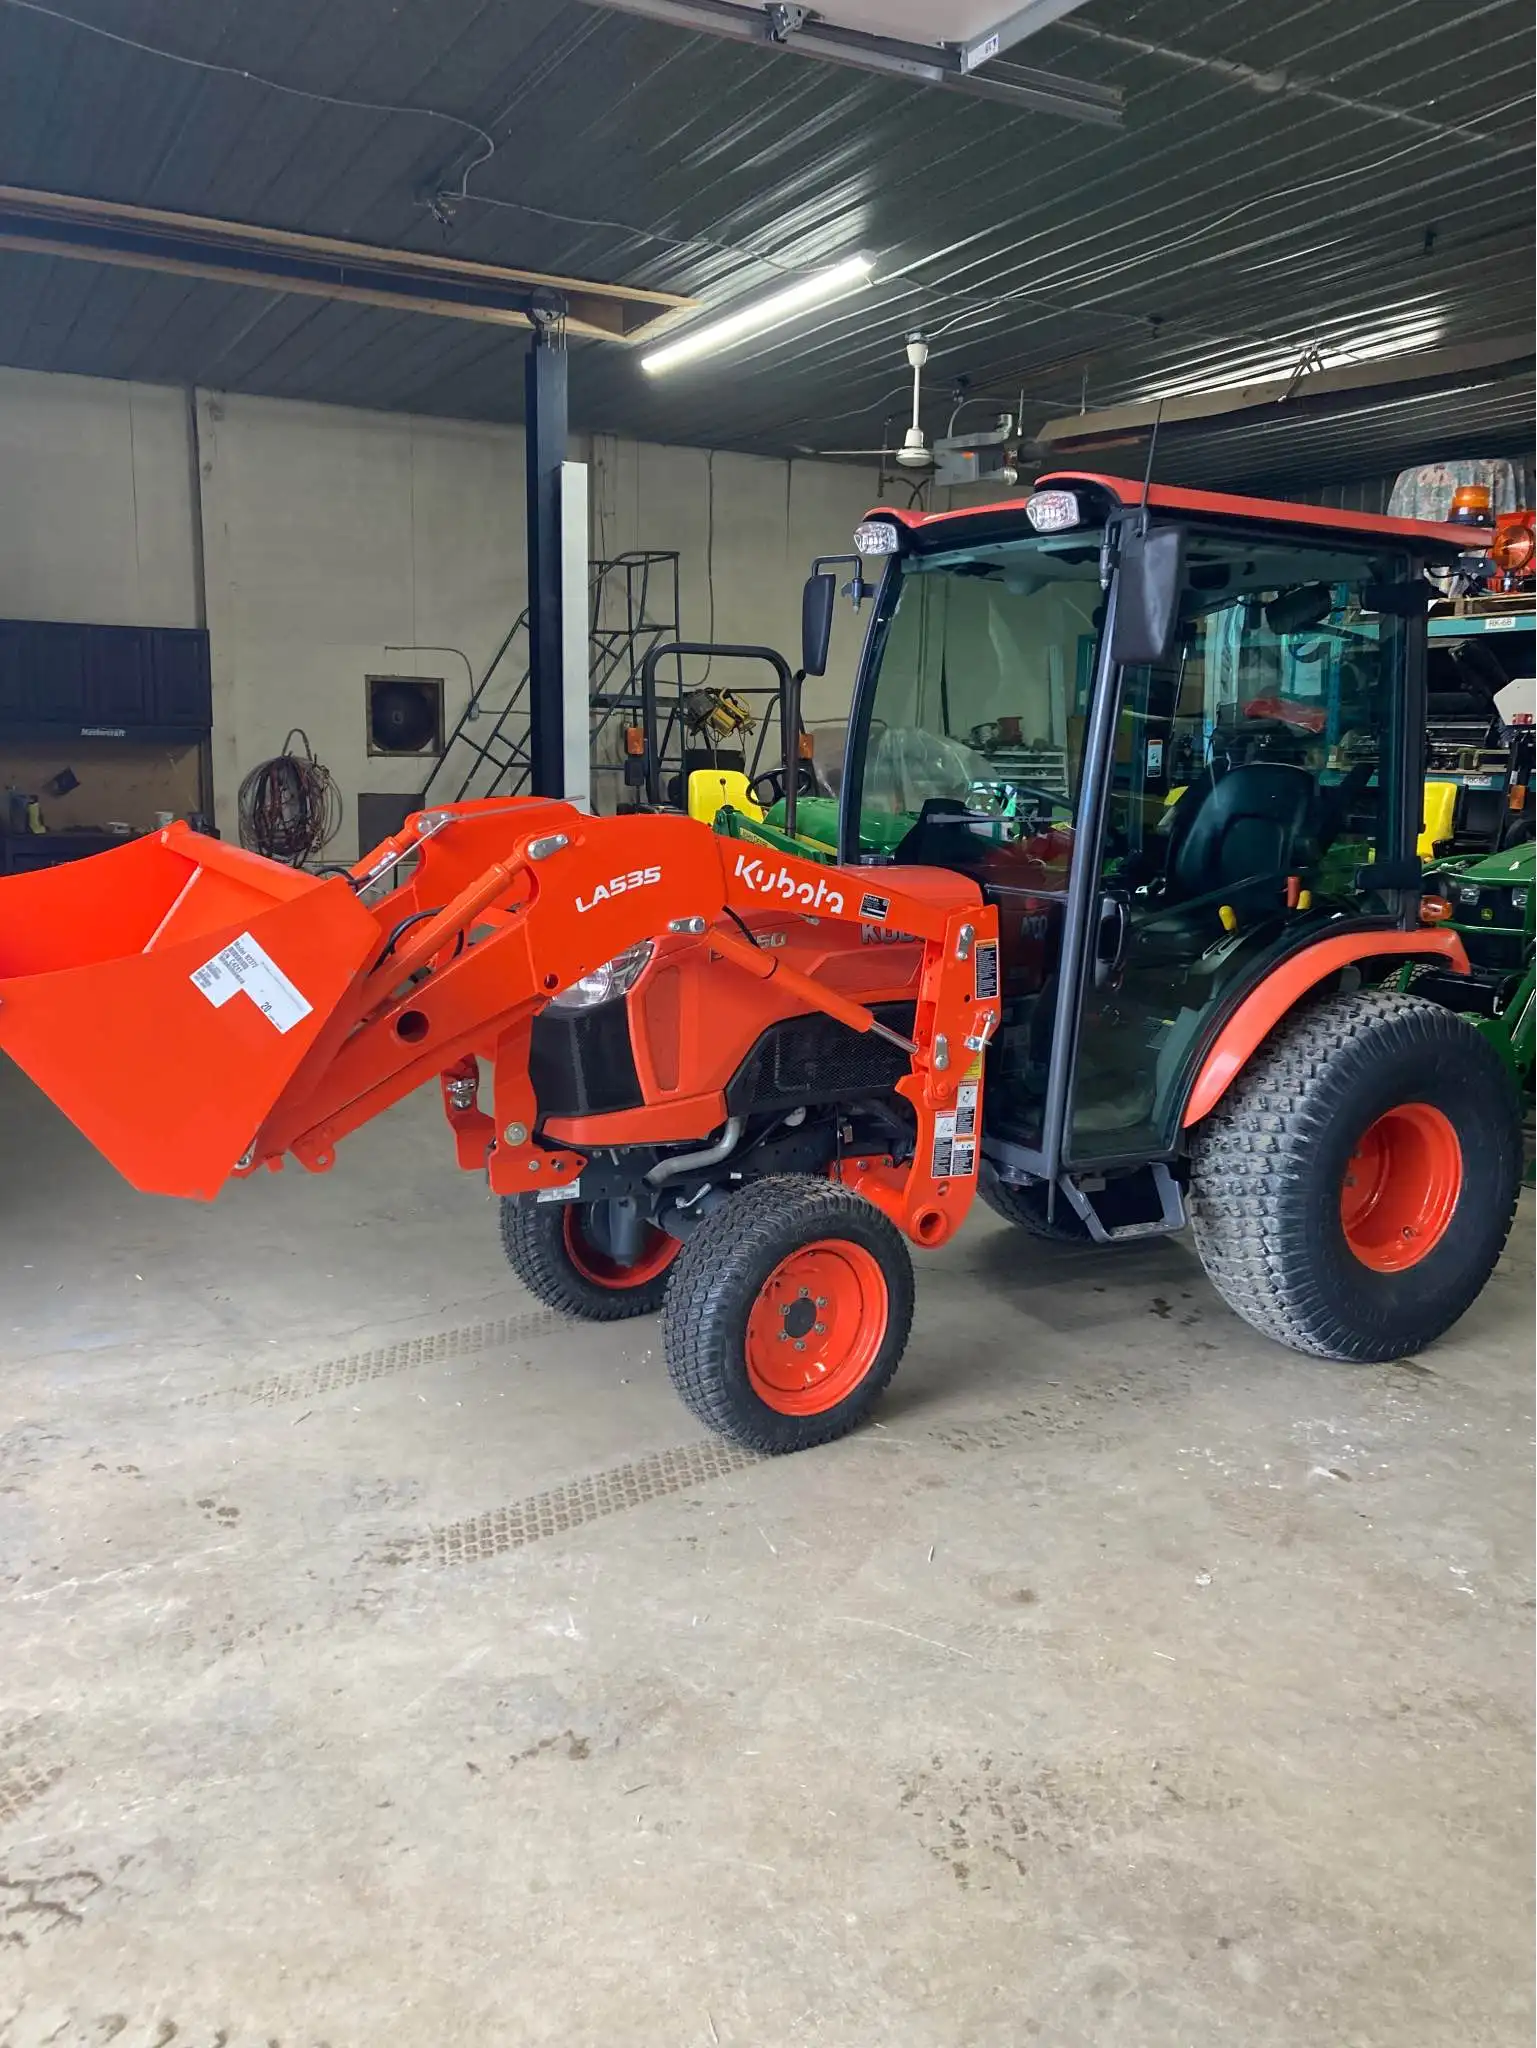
{"x": 1123, "y": 881}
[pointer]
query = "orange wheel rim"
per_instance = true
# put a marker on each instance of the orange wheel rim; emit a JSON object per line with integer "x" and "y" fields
{"x": 1401, "y": 1187}
{"x": 817, "y": 1326}
{"x": 657, "y": 1253}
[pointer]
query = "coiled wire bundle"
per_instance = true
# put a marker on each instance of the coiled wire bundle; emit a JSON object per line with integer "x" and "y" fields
{"x": 290, "y": 807}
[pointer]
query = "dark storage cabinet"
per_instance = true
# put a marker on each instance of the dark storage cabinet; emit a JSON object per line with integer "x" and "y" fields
{"x": 179, "y": 677}
{"x": 113, "y": 681}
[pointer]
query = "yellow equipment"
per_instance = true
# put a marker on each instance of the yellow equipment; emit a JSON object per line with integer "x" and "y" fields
{"x": 1439, "y": 821}
{"x": 711, "y": 789}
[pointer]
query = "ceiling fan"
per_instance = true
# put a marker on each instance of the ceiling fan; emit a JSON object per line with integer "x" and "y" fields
{"x": 915, "y": 452}
{"x": 950, "y": 459}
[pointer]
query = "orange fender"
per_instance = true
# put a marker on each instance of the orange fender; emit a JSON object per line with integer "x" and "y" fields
{"x": 1264, "y": 1007}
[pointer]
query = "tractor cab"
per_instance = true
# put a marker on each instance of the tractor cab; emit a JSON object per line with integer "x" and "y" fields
{"x": 1173, "y": 744}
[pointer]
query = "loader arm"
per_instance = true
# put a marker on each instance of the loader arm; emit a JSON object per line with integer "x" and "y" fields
{"x": 200, "y": 1012}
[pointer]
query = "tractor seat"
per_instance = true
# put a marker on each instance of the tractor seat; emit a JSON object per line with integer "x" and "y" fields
{"x": 1242, "y": 835}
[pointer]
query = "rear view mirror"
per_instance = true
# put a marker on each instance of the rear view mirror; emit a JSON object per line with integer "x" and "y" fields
{"x": 1150, "y": 575}
{"x": 817, "y": 601}
{"x": 1308, "y": 604}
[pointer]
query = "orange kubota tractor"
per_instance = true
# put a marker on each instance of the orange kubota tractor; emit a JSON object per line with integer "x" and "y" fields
{"x": 1126, "y": 858}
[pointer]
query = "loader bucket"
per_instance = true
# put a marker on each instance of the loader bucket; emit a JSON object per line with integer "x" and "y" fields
{"x": 165, "y": 993}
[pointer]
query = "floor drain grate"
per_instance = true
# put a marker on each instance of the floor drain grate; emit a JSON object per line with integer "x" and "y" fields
{"x": 358, "y": 1366}
{"x": 22, "y": 1784}
{"x": 543, "y": 1515}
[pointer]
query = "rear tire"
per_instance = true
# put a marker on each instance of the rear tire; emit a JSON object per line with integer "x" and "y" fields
{"x": 1026, "y": 1207}
{"x": 547, "y": 1246}
{"x": 788, "y": 1313}
{"x": 1353, "y": 1190}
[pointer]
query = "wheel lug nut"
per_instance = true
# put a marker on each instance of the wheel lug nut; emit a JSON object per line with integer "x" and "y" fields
{"x": 821, "y": 1301}
{"x": 805, "y": 1294}
{"x": 821, "y": 1329}
{"x": 799, "y": 1345}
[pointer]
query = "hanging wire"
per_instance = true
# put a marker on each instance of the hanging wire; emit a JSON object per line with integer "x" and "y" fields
{"x": 290, "y": 806}
{"x": 297, "y": 92}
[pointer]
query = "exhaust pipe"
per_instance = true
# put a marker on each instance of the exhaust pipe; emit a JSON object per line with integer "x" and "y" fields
{"x": 691, "y": 1162}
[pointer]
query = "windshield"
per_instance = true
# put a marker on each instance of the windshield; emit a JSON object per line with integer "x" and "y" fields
{"x": 985, "y": 671}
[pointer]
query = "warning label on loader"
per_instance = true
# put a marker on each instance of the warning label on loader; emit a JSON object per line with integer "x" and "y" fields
{"x": 245, "y": 968}
{"x": 955, "y": 1149}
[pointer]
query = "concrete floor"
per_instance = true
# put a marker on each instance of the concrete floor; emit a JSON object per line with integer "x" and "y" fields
{"x": 382, "y": 1661}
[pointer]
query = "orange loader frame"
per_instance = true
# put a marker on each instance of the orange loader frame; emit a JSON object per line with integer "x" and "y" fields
{"x": 200, "y": 1012}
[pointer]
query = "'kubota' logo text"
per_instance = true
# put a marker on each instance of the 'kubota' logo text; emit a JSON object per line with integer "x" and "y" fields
{"x": 781, "y": 883}
{"x": 618, "y": 885}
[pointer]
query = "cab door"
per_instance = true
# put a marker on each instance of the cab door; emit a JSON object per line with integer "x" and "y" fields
{"x": 1254, "y": 785}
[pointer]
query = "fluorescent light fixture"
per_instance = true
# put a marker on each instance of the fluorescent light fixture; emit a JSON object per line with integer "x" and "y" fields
{"x": 852, "y": 275}
{"x": 1404, "y": 337}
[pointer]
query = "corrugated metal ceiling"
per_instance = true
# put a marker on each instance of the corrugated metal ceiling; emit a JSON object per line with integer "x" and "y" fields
{"x": 1344, "y": 174}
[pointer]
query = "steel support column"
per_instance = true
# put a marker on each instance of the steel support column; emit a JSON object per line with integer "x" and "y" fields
{"x": 544, "y": 427}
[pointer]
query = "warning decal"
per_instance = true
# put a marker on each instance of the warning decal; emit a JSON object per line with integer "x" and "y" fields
{"x": 986, "y": 958}
{"x": 955, "y": 1147}
{"x": 875, "y": 909}
{"x": 944, "y": 1147}
{"x": 245, "y": 968}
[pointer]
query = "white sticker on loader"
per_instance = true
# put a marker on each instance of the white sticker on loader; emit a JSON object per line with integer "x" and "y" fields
{"x": 571, "y": 1191}
{"x": 955, "y": 1145}
{"x": 244, "y": 967}
{"x": 944, "y": 1146}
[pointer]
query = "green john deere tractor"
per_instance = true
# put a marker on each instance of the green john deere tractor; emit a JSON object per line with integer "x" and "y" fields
{"x": 1488, "y": 899}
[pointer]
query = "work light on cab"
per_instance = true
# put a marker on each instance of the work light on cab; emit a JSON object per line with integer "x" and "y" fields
{"x": 1053, "y": 511}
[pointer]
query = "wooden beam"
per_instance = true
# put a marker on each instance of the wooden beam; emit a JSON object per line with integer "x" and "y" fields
{"x": 279, "y": 260}
{"x": 1398, "y": 376}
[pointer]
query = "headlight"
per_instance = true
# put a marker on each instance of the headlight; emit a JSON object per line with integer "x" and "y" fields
{"x": 615, "y": 977}
{"x": 876, "y": 537}
{"x": 1053, "y": 511}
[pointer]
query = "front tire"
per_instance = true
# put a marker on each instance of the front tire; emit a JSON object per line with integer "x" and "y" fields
{"x": 556, "y": 1251}
{"x": 788, "y": 1312}
{"x": 1352, "y": 1192}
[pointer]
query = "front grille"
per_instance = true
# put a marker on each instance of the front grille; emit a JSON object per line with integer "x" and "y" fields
{"x": 817, "y": 1059}
{"x": 580, "y": 1061}
{"x": 1498, "y": 904}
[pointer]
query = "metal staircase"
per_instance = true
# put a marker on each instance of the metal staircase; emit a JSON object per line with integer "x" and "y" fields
{"x": 632, "y": 607}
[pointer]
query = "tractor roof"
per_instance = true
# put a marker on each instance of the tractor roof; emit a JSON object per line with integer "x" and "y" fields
{"x": 1007, "y": 519}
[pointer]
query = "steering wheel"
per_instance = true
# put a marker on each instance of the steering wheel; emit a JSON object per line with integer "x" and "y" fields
{"x": 1027, "y": 803}
{"x": 773, "y": 781}
{"x": 1052, "y": 798}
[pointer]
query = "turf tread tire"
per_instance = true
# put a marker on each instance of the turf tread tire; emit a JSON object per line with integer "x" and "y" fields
{"x": 1268, "y": 1164}
{"x": 717, "y": 1277}
{"x": 534, "y": 1240}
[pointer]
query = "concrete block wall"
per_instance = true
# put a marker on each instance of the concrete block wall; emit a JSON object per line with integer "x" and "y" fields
{"x": 309, "y": 538}
{"x": 96, "y": 502}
